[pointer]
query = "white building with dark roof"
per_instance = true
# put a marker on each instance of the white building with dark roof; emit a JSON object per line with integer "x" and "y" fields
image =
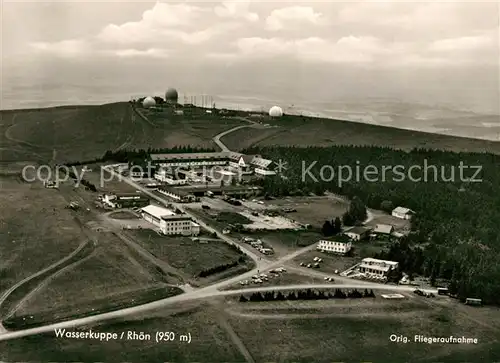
{"x": 263, "y": 166}
{"x": 402, "y": 213}
{"x": 357, "y": 233}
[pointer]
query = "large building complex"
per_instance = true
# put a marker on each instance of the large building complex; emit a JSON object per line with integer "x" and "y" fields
{"x": 169, "y": 222}
{"x": 245, "y": 163}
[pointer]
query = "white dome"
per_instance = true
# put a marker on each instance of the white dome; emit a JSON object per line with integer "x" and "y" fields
{"x": 276, "y": 111}
{"x": 149, "y": 102}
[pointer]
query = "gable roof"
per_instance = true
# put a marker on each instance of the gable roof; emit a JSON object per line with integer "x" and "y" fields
{"x": 383, "y": 228}
{"x": 357, "y": 230}
{"x": 260, "y": 162}
{"x": 402, "y": 210}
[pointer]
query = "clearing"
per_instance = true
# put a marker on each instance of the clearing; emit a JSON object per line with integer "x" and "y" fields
{"x": 305, "y": 131}
{"x": 36, "y": 229}
{"x": 191, "y": 256}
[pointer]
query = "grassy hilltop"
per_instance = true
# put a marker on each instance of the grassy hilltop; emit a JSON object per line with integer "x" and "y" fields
{"x": 72, "y": 133}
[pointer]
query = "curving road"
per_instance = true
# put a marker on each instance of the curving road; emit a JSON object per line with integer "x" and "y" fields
{"x": 195, "y": 295}
{"x": 262, "y": 264}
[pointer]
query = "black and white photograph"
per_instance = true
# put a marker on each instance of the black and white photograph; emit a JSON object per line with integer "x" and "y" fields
{"x": 250, "y": 181}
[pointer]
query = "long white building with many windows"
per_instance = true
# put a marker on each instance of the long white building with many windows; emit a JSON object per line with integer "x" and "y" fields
{"x": 245, "y": 163}
{"x": 334, "y": 245}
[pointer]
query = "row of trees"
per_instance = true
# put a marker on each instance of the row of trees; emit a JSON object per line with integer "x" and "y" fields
{"x": 308, "y": 294}
{"x": 221, "y": 268}
{"x": 84, "y": 182}
{"x": 454, "y": 234}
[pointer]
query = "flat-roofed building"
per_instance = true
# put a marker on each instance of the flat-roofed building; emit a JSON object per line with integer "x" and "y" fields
{"x": 191, "y": 159}
{"x": 377, "y": 267}
{"x": 153, "y": 214}
{"x": 179, "y": 224}
{"x": 171, "y": 177}
{"x": 178, "y": 194}
{"x": 338, "y": 244}
{"x": 125, "y": 200}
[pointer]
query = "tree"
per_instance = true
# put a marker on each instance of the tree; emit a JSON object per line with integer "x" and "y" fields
{"x": 337, "y": 225}
{"x": 327, "y": 229}
{"x": 348, "y": 219}
{"x": 387, "y": 206}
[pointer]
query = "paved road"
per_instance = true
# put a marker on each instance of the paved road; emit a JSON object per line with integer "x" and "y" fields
{"x": 195, "y": 295}
{"x": 217, "y": 138}
{"x": 220, "y": 143}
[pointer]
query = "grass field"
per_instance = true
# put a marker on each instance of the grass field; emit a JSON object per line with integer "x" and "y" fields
{"x": 232, "y": 218}
{"x": 190, "y": 257}
{"x": 126, "y": 215}
{"x": 306, "y": 131}
{"x": 209, "y": 342}
{"x": 35, "y": 230}
{"x": 312, "y": 210}
{"x": 114, "y": 270}
{"x": 280, "y": 280}
{"x": 333, "y": 262}
{"x": 86, "y": 132}
{"x": 362, "y": 333}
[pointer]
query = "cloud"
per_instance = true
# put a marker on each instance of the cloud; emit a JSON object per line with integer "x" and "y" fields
{"x": 366, "y": 32}
{"x": 470, "y": 43}
{"x": 64, "y": 48}
{"x": 238, "y": 9}
{"x": 344, "y": 50}
{"x": 134, "y": 53}
{"x": 292, "y": 16}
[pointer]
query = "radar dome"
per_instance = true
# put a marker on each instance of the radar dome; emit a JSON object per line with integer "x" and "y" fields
{"x": 275, "y": 111}
{"x": 171, "y": 95}
{"x": 149, "y": 102}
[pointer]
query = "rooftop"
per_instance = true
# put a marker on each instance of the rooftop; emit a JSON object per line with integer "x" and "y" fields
{"x": 190, "y": 156}
{"x": 383, "y": 228}
{"x": 156, "y": 211}
{"x": 339, "y": 238}
{"x": 358, "y": 230}
{"x": 370, "y": 260}
{"x": 402, "y": 210}
{"x": 176, "y": 217}
{"x": 260, "y": 162}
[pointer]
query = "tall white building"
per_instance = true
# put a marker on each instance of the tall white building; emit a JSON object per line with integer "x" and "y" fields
{"x": 169, "y": 222}
{"x": 333, "y": 245}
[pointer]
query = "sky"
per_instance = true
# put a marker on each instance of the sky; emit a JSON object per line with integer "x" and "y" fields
{"x": 392, "y": 48}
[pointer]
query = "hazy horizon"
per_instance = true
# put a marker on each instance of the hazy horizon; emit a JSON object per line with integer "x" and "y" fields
{"x": 318, "y": 57}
